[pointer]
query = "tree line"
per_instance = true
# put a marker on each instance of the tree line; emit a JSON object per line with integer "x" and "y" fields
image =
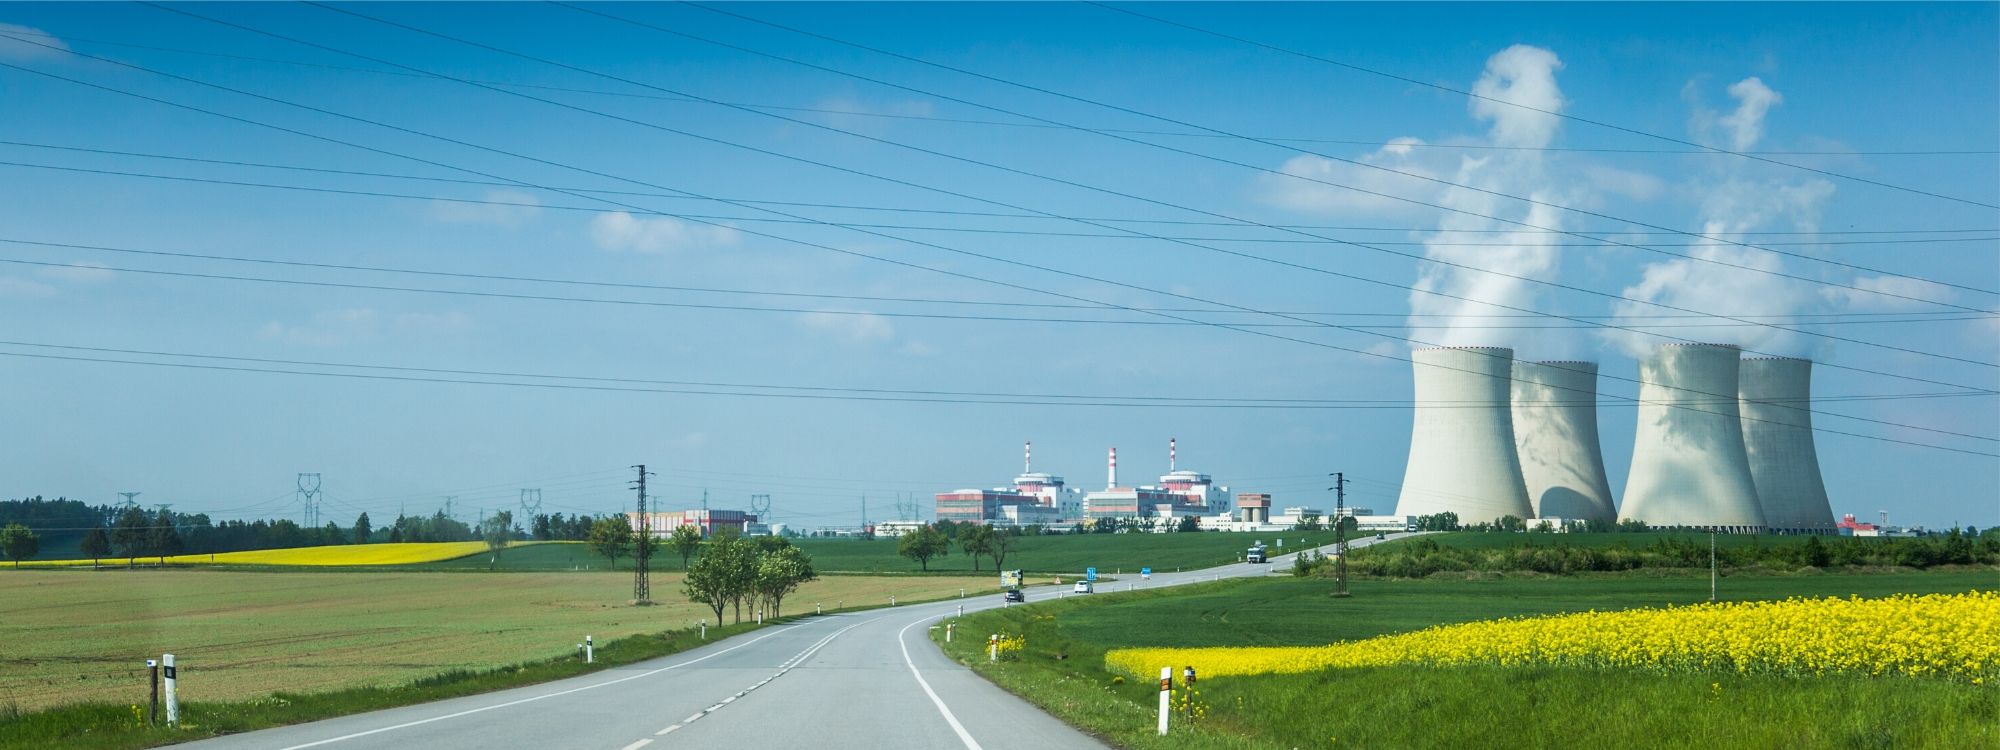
{"x": 1422, "y": 556}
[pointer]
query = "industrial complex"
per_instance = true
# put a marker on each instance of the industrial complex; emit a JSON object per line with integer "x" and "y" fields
{"x": 1723, "y": 442}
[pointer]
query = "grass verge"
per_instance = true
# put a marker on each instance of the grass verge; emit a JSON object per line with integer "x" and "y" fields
{"x": 1061, "y": 669}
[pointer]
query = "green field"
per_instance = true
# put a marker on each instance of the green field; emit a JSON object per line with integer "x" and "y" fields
{"x": 1062, "y": 670}
{"x": 1065, "y": 554}
{"x": 79, "y": 635}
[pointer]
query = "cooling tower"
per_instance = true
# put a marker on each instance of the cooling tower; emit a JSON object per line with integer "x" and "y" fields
{"x": 1555, "y": 433}
{"x": 1776, "y": 396}
{"x": 1688, "y": 463}
{"x": 1462, "y": 456}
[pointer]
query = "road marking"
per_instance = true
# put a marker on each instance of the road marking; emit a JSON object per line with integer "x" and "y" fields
{"x": 509, "y": 704}
{"x": 670, "y": 727}
{"x": 690, "y": 719}
{"x": 963, "y": 736}
{"x": 639, "y": 744}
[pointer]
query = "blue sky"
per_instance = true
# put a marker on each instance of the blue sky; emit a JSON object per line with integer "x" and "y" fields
{"x": 1846, "y": 82}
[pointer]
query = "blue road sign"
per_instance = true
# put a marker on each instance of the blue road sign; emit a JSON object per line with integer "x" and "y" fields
{"x": 1090, "y": 574}
{"x": 1145, "y": 571}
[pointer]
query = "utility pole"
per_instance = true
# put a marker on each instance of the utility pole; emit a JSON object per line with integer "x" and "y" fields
{"x": 642, "y": 589}
{"x": 1339, "y": 534}
{"x": 308, "y": 494}
{"x": 447, "y": 506}
{"x": 1711, "y": 563}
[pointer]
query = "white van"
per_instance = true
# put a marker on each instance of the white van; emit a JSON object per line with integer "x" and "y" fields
{"x": 1083, "y": 587}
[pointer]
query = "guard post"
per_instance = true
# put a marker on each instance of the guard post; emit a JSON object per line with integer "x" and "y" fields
{"x": 173, "y": 702}
{"x": 589, "y": 649}
{"x": 1166, "y": 696}
{"x": 153, "y": 689}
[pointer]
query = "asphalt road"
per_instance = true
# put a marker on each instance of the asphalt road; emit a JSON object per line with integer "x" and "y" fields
{"x": 860, "y": 680}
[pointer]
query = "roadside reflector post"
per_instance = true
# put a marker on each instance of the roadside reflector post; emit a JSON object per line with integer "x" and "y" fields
{"x": 892, "y": 600}
{"x": 704, "y": 630}
{"x": 589, "y": 649}
{"x": 153, "y": 682}
{"x": 993, "y": 647}
{"x": 961, "y": 610}
{"x": 950, "y": 626}
{"x": 173, "y": 702}
{"x": 1166, "y": 696}
{"x": 815, "y": 607}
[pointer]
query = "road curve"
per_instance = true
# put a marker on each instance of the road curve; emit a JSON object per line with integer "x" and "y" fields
{"x": 865, "y": 679}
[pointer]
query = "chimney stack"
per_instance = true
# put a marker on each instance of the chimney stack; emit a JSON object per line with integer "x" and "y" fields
{"x": 1111, "y": 479}
{"x": 1170, "y": 454}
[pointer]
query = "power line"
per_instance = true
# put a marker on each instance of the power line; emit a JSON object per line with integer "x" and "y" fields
{"x": 916, "y": 227}
{"x": 769, "y": 152}
{"x": 435, "y": 375}
{"x": 788, "y": 310}
{"x": 997, "y": 123}
{"x": 778, "y": 237}
{"x": 945, "y": 212}
{"x": 1552, "y": 113}
{"x": 1197, "y": 154}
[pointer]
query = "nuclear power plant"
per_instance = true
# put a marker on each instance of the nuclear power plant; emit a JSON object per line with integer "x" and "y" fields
{"x": 1722, "y": 442}
{"x": 1462, "y": 457}
{"x": 1555, "y": 435}
{"x": 1776, "y": 401}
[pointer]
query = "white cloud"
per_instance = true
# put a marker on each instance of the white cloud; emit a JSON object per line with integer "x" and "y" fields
{"x": 623, "y": 232}
{"x": 13, "y": 48}
{"x": 330, "y": 328}
{"x": 15, "y": 288}
{"x": 1870, "y": 294}
{"x": 1637, "y": 186}
{"x": 1308, "y": 197}
{"x": 857, "y": 328}
{"x": 81, "y": 272}
{"x": 504, "y": 208}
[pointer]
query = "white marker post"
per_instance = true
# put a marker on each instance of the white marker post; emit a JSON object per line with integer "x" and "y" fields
{"x": 173, "y": 704}
{"x": 993, "y": 648}
{"x": 815, "y": 607}
{"x": 704, "y": 630}
{"x": 589, "y": 649}
{"x": 948, "y": 628}
{"x": 961, "y": 610}
{"x": 892, "y": 600}
{"x": 1166, "y": 696}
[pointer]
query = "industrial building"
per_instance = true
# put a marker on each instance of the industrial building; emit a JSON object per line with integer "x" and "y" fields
{"x": 1555, "y": 436}
{"x": 1689, "y": 466}
{"x": 662, "y": 523}
{"x": 1462, "y": 451}
{"x": 1775, "y": 394}
{"x": 1180, "y": 493}
{"x": 1034, "y": 498}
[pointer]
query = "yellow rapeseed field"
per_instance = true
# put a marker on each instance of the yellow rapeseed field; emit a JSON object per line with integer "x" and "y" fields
{"x": 402, "y": 553}
{"x": 1952, "y": 636}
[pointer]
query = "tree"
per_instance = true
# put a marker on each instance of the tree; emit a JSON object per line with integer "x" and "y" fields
{"x": 1003, "y": 542}
{"x": 19, "y": 543}
{"x": 130, "y": 534}
{"x": 96, "y": 544}
{"x": 720, "y": 576}
{"x": 686, "y": 541}
{"x": 1189, "y": 523}
{"x": 946, "y": 527}
{"x": 541, "y": 527}
{"x": 923, "y": 544}
{"x": 1307, "y": 522}
{"x": 610, "y": 537}
{"x": 976, "y": 540}
{"x": 163, "y": 539}
{"x": 780, "y": 572}
{"x": 497, "y": 532}
{"x": 363, "y": 529}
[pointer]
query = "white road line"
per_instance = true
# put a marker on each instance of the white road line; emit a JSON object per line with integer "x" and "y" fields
{"x": 483, "y": 709}
{"x": 963, "y": 736}
{"x": 639, "y": 744}
{"x": 670, "y": 727}
{"x": 690, "y": 719}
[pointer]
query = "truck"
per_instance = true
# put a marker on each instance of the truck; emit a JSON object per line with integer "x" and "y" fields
{"x": 1255, "y": 555}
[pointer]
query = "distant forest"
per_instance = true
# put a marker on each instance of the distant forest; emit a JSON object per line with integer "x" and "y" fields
{"x": 62, "y": 524}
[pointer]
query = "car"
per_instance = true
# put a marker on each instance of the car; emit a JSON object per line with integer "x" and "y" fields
{"x": 1015, "y": 595}
{"x": 1380, "y": 537}
{"x": 1083, "y": 587}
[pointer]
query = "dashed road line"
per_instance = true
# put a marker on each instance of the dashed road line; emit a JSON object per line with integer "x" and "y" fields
{"x": 639, "y": 744}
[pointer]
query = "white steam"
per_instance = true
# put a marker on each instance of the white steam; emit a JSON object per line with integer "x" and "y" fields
{"x": 1732, "y": 202}
{"x": 1525, "y": 76}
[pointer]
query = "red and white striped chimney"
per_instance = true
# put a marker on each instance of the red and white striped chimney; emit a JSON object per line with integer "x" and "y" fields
{"x": 1111, "y": 480}
{"x": 1170, "y": 454}
{"x": 1027, "y": 455}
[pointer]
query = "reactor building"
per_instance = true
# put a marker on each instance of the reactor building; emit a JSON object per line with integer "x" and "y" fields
{"x": 1689, "y": 464}
{"x": 1462, "y": 449}
{"x": 1775, "y": 397}
{"x": 1555, "y": 436}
